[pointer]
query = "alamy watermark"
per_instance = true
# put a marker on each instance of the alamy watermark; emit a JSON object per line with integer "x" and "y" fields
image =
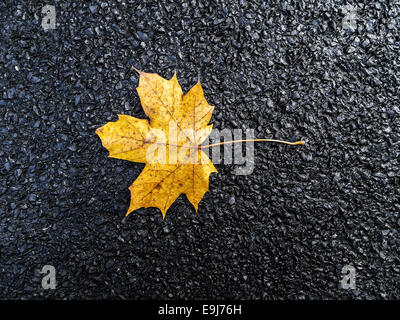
{"x": 49, "y": 278}
{"x": 49, "y": 17}
{"x": 183, "y": 146}
{"x": 349, "y": 21}
{"x": 348, "y": 280}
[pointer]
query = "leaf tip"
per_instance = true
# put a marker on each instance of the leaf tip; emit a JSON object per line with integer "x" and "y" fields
{"x": 196, "y": 207}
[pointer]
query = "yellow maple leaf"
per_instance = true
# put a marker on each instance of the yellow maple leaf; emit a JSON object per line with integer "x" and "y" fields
{"x": 169, "y": 144}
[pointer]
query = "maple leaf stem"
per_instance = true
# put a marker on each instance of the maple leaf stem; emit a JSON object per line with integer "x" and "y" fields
{"x": 296, "y": 143}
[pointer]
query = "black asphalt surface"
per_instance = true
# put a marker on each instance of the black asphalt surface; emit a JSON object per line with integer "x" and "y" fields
{"x": 287, "y": 69}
